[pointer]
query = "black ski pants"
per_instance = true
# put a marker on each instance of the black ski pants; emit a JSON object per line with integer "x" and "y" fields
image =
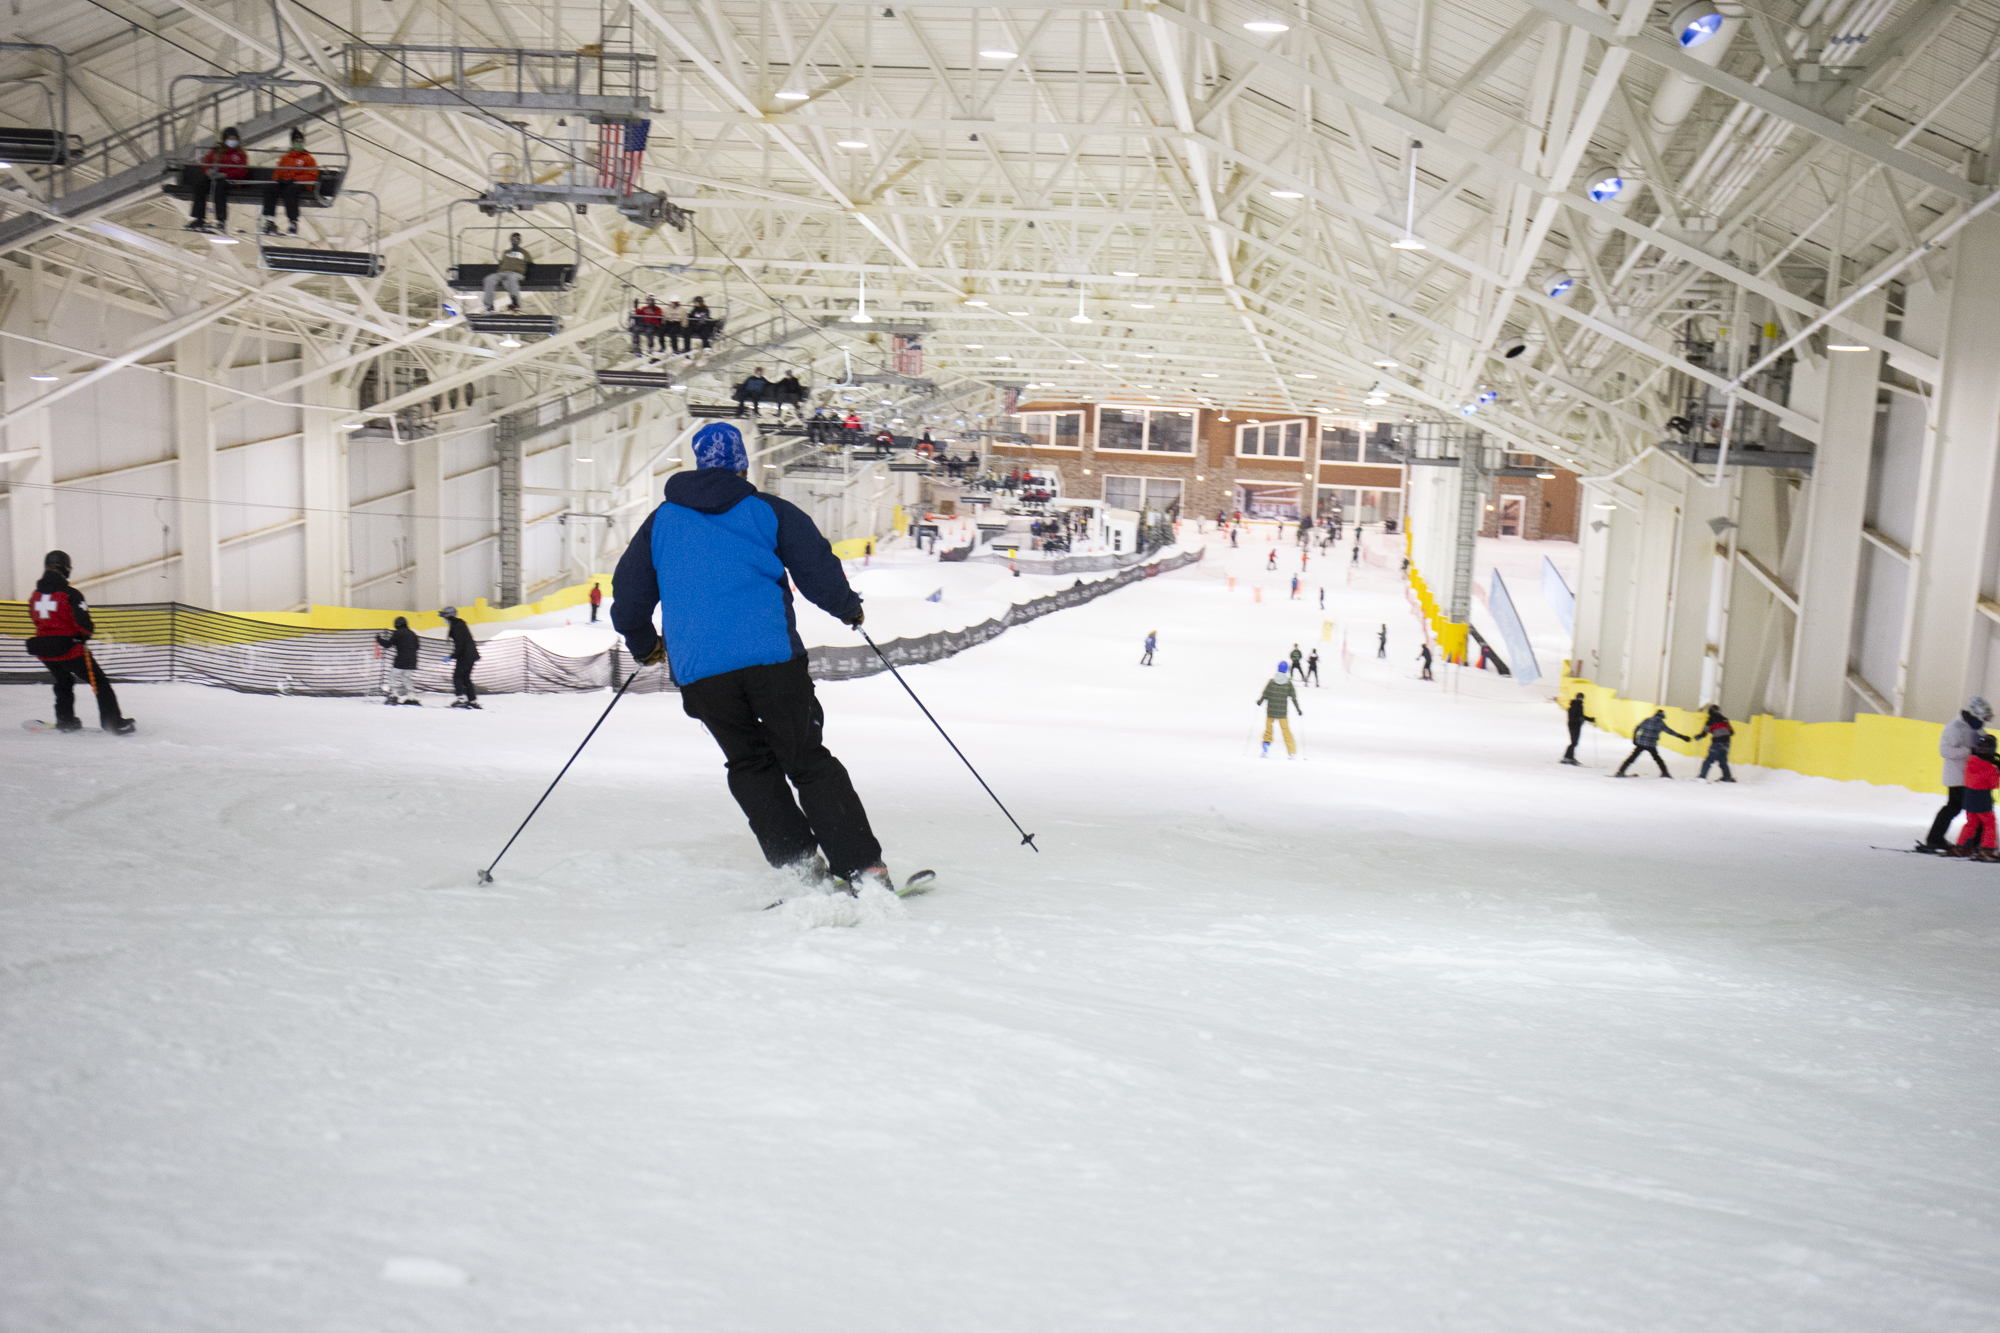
{"x": 1954, "y": 803}
{"x": 68, "y": 674}
{"x": 1653, "y": 750}
{"x": 461, "y": 679}
{"x": 1575, "y": 735}
{"x": 768, "y": 723}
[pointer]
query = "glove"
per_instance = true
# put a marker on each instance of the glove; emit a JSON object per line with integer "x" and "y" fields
{"x": 657, "y": 656}
{"x": 859, "y": 616}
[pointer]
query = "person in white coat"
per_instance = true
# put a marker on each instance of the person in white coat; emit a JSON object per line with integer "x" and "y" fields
{"x": 1955, "y": 746}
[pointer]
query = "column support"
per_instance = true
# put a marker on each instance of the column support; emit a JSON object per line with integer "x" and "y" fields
{"x": 1955, "y": 507}
{"x": 194, "y": 448}
{"x": 323, "y": 470}
{"x": 426, "y": 528}
{"x": 507, "y": 449}
{"x": 31, "y": 498}
{"x": 1822, "y": 642}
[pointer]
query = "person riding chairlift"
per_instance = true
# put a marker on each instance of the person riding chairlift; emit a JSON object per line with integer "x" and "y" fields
{"x": 296, "y": 173}
{"x": 646, "y": 325}
{"x": 220, "y": 166}
{"x": 700, "y": 324}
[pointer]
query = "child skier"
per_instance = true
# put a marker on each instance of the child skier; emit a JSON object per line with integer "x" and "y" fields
{"x": 1152, "y": 642}
{"x": 1279, "y": 698}
{"x": 1982, "y": 775}
{"x": 402, "y": 642}
{"x": 1272, "y": 563}
{"x": 1718, "y": 731}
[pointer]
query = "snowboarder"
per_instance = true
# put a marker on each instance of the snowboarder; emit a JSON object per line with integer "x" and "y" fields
{"x": 402, "y": 642}
{"x": 1382, "y": 643}
{"x": 1981, "y": 777}
{"x": 1718, "y": 731}
{"x": 1295, "y": 587}
{"x": 1296, "y": 658}
{"x": 1312, "y": 668}
{"x": 1152, "y": 642}
{"x": 464, "y": 652}
{"x": 1577, "y": 717}
{"x": 1279, "y": 698}
{"x": 1954, "y": 745}
{"x": 1646, "y": 740}
{"x": 1424, "y": 652}
{"x": 1357, "y": 551}
{"x": 596, "y": 600}
{"x": 715, "y": 558}
{"x": 62, "y": 627}
{"x": 1272, "y": 563}
{"x": 1322, "y": 597}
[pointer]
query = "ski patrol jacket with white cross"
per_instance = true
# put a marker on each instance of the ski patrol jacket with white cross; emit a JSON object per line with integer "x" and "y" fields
{"x": 60, "y": 613}
{"x": 714, "y": 558}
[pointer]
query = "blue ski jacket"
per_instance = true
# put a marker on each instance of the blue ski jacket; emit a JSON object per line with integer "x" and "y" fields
{"x": 714, "y": 559}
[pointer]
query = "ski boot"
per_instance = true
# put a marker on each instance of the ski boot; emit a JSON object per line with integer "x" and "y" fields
{"x": 69, "y": 724}
{"x": 1729, "y": 779}
{"x": 1572, "y": 763}
{"x": 1267, "y": 750}
{"x": 292, "y": 229}
{"x": 1963, "y": 851}
{"x": 1986, "y": 854}
{"x": 270, "y": 227}
{"x": 390, "y": 700}
{"x": 124, "y": 726}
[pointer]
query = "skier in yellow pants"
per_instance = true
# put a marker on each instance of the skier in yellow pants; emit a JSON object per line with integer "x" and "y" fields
{"x": 1279, "y": 698}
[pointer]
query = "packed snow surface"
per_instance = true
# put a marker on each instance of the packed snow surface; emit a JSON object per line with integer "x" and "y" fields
{"x": 1420, "y": 1032}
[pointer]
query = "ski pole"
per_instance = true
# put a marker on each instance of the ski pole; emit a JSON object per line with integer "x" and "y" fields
{"x": 1027, "y": 838}
{"x": 486, "y": 875}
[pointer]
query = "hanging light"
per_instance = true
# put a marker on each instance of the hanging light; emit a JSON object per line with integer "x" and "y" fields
{"x": 44, "y": 378}
{"x": 861, "y": 315}
{"x": 1559, "y": 285}
{"x": 510, "y": 341}
{"x": 1693, "y": 24}
{"x": 793, "y": 95}
{"x": 1408, "y": 240}
{"x": 851, "y": 143}
{"x": 1288, "y": 194}
{"x": 1385, "y": 363}
{"x": 1079, "y": 317}
{"x": 1602, "y": 182}
{"x": 974, "y": 301}
{"x": 999, "y": 53}
{"x": 1123, "y": 273}
{"x": 1267, "y": 26}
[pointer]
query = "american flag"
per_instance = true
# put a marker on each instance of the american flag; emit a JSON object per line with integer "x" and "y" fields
{"x": 620, "y": 146}
{"x": 909, "y": 354}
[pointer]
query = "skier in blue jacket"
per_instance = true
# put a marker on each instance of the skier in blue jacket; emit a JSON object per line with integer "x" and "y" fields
{"x": 714, "y": 558}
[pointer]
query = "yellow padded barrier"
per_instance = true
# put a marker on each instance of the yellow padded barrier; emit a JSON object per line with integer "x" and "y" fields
{"x": 1887, "y": 751}
{"x": 1451, "y": 637}
{"x": 14, "y": 618}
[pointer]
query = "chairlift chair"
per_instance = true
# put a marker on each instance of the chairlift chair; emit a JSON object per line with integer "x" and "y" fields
{"x": 467, "y": 276}
{"x": 364, "y": 263}
{"x": 36, "y": 145}
{"x": 185, "y": 167}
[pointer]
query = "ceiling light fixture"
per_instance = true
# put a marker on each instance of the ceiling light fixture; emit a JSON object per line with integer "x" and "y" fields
{"x": 1018, "y": 313}
{"x": 586, "y": 460}
{"x": 1267, "y": 26}
{"x": 1079, "y": 317}
{"x": 1409, "y": 239}
{"x": 851, "y": 143}
{"x": 1142, "y": 305}
{"x": 793, "y": 95}
{"x": 1123, "y": 273}
{"x": 999, "y": 53}
{"x": 861, "y": 315}
{"x": 510, "y": 341}
{"x": 1849, "y": 347}
{"x": 223, "y": 240}
{"x": 1695, "y": 23}
{"x": 1288, "y": 194}
{"x": 1303, "y": 375}
{"x": 349, "y": 425}
{"x": 45, "y": 378}
{"x": 974, "y": 301}
{"x": 1386, "y": 364}
{"x": 1210, "y": 375}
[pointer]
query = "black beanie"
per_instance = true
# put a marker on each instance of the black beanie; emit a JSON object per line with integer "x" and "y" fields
{"x": 58, "y": 561}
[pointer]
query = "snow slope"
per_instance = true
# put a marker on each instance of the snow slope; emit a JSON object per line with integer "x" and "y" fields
{"x": 1424, "y": 1032}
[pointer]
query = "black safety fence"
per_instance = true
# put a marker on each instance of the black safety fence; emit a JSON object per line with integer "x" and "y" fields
{"x": 167, "y": 642}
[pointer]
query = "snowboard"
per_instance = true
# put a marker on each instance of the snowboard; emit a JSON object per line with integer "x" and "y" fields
{"x": 36, "y": 724}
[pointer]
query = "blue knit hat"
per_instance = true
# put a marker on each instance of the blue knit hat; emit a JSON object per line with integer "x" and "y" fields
{"x": 1284, "y": 668}
{"x": 719, "y": 444}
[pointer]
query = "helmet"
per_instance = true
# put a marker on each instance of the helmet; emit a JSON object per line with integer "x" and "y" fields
{"x": 402, "y": 622}
{"x": 1979, "y": 708}
{"x": 449, "y": 613}
{"x": 58, "y": 561}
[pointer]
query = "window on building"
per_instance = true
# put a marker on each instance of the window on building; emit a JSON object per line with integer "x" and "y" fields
{"x": 1379, "y": 446}
{"x": 1161, "y": 493}
{"x": 1152, "y": 430}
{"x": 1272, "y": 439}
{"x": 1053, "y": 430}
{"x": 1340, "y": 444}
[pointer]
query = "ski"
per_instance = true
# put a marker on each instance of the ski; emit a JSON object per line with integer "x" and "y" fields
{"x": 35, "y": 724}
{"x": 923, "y": 881}
{"x": 1923, "y": 851}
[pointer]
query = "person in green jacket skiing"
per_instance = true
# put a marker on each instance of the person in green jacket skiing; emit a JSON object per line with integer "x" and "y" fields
{"x": 1279, "y": 698}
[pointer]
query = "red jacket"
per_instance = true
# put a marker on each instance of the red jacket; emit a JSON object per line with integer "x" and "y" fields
{"x": 59, "y": 612}
{"x": 1981, "y": 774}
{"x": 229, "y": 162}
{"x": 649, "y": 313}
{"x": 596, "y": 594}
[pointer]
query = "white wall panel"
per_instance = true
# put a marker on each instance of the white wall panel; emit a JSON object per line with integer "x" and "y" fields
{"x": 107, "y": 533}
{"x": 261, "y": 484}
{"x": 1894, "y": 469}
{"x": 123, "y": 420}
{"x": 264, "y": 573}
{"x": 1881, "y": 597}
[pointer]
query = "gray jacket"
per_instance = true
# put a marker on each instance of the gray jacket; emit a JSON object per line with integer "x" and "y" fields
{"x": 1955, "y": 745}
